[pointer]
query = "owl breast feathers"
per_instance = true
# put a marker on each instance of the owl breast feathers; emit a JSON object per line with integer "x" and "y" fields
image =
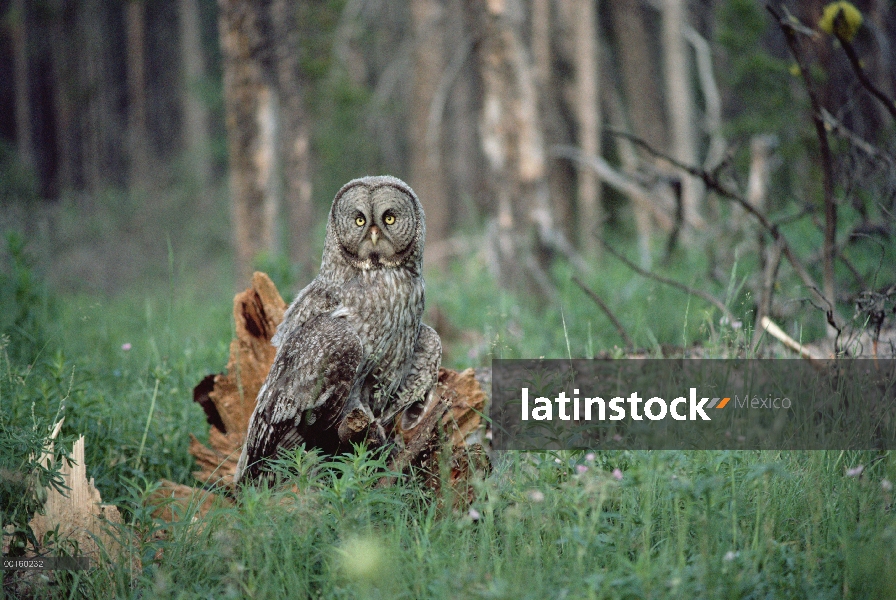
{"x": 351, "y": 347}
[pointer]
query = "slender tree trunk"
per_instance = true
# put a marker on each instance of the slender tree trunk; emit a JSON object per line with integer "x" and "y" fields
{"x": 680, "y": 104}
{"x": 196, "y": 136}
{"x": 628, "y": 158}
{"x": 549, "y": 29}
{"x": 24, "y": 139}
{"x": 588, "y": 117}
{"x": 295, "y": 142}
{"x": 90, "y": 79}
{"x": 251, "y": 108}
{"x": 638, "y": 74}
{"x": 138, "y": 147}
{"x": 512, "y": 142}
{"x": 428, "y": 177}
{"x": 65, "y": 84}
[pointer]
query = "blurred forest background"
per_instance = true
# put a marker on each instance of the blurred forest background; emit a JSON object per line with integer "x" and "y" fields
{"x": 537, "y": 134}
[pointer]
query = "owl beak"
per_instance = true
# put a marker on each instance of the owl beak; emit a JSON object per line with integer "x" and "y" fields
{"x": 374, "y": 234}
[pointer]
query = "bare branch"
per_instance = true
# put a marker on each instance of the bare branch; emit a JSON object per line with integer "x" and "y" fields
{"x": 869, "y": 149}
{"x": 615, "y": 179}
{"x": 711, "y": 96}
{"x": 689, "y": 290}
{"x": 712, "y": 182}
{"x": 830, "y": 206}
{"x": 778, "y": 333}
{"x": 597, "y": 300}
{"x": 888, "y": 102}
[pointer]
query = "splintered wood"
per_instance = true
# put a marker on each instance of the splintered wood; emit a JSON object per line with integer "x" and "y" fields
{"x": 79, "y": 513}
{"x": 451, "y": 418}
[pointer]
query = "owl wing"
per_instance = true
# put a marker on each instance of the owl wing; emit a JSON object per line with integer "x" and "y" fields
{"x": 315, "y": 298}
{"x": 313, "y": 378}
{"x": 422, "y": 374}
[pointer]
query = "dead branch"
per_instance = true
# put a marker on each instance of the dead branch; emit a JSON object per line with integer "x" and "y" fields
{"x": 640, "y": 196}
{"x": 689, "y": 290}
{"x": 711, "y": 96}
{"x": 830, "y": 206}
{"x": 869, "y": 149}
{"x": 603, "y": 306}
{"x": 857, "y": 68}
{"x": 711, "y": 179}
{"x": 778, "y": 333}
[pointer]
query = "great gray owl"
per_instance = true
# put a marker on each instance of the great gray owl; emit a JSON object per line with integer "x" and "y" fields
{"x": 352, "y": 342}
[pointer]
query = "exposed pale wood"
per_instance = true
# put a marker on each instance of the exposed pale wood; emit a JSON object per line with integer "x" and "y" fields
{"x": 79, "y": 514}
{"x": 778, "y": 333}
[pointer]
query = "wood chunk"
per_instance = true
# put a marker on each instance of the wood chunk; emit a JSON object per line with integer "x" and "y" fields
{"x": 256, "y": 312}
{"x": 80, "y": 513}
{"x": 229, "y": 399}
{"x": 467, "y": 404}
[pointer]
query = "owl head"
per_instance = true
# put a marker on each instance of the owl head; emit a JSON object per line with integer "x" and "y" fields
{"x": 375, "y": 223}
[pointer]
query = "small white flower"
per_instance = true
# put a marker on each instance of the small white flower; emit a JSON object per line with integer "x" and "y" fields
{"x": 855, "y": 471}
{"x": 731, "y": 555}
{"x": 886, "y": 485}
{"x": 589, "y": 457}
{"x": 617, "y": 474}
{"x": 474, "y": 514}
{"x": 536, "y": 496}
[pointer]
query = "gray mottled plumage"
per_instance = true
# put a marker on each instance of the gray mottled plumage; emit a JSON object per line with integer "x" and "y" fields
{"x": 353, "y": 338}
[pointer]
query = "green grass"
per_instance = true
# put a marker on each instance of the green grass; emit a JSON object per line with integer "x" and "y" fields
{"x": 620, "y": 524}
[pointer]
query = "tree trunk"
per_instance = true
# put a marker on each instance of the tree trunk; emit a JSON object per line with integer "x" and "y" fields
{"x": 512, "y": 143}
{"x": 64, "y": 59}
{"x": 549, "y": 32}
{"x": 24, "y": 140}
{"x": 251, "y": 108}
{"x": 588, "y": 117}
{"x": 138, "y": 147}
{"x": 427, "y": 171}
{"x": 680, "y": 104}
{"x": 639, "y": 79}
{"x": 294, "y": 143}
{"x": 196, "y": 136}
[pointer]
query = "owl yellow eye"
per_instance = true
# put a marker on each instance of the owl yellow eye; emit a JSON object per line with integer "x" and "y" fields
{"x": 389, "y": 219}
{"x": 359, "y": 221}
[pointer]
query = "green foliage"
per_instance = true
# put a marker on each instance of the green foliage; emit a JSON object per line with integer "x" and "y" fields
{"x": 33, "y": 389}
{"x": 757, "y": 81}
{"x": 26, "y": 304}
